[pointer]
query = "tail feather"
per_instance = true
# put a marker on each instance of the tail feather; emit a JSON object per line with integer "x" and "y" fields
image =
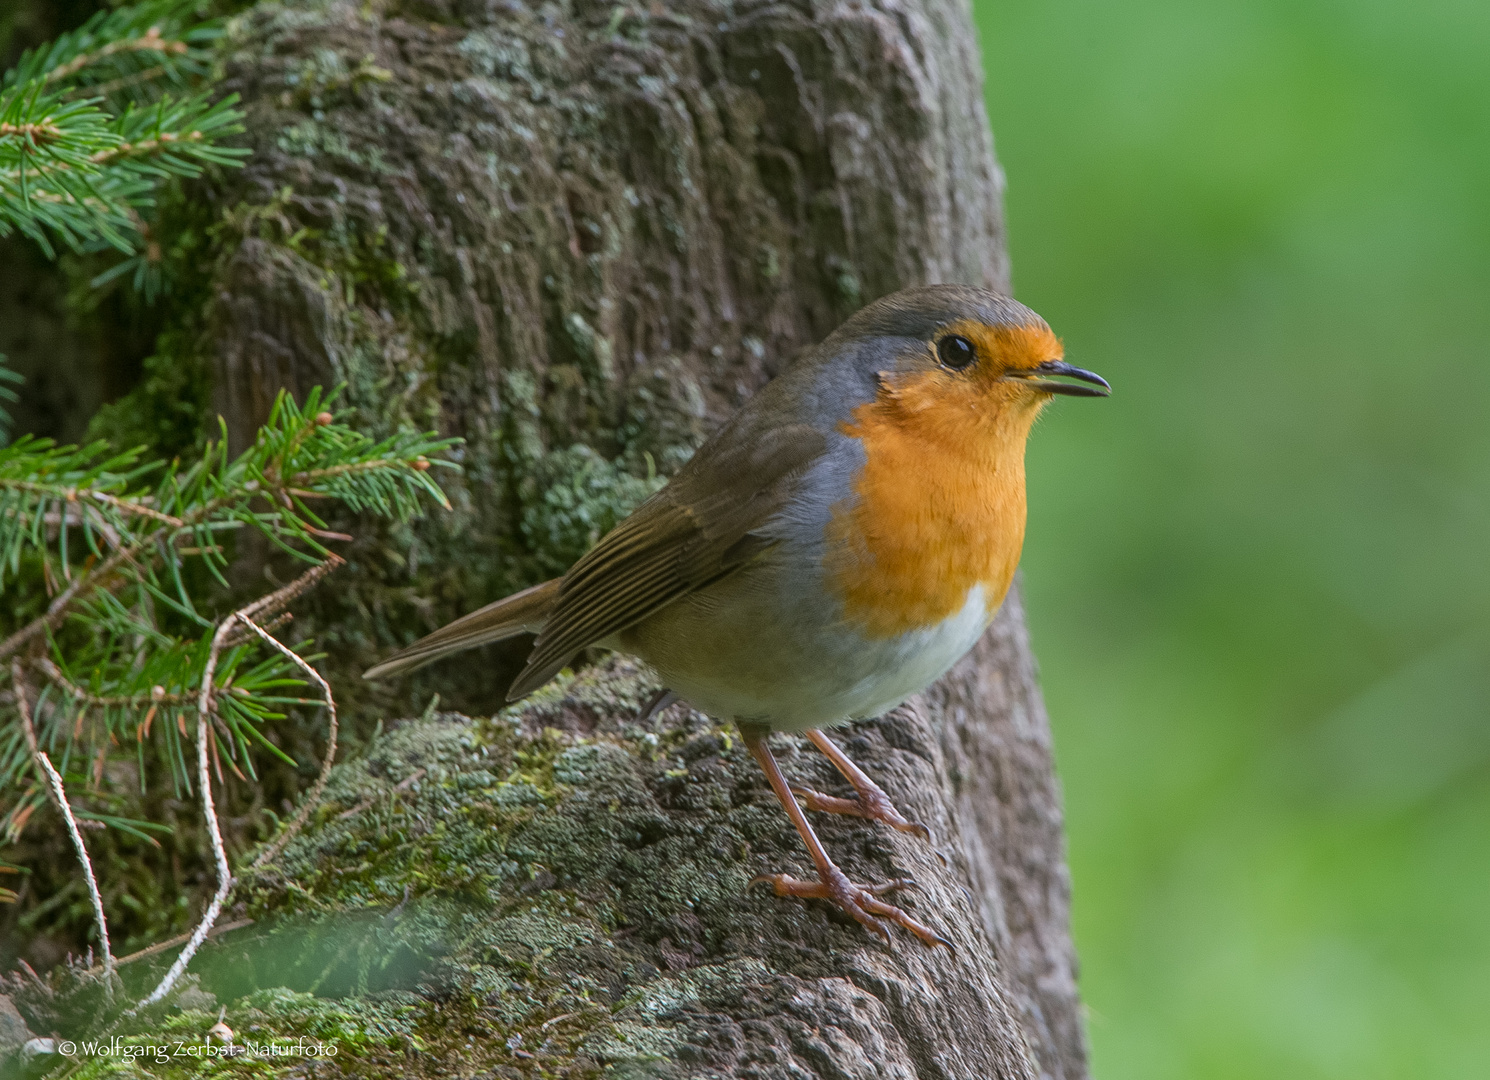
{"x": 523, "y": 612}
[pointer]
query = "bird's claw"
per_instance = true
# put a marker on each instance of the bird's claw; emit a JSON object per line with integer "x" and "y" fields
{"x": 860, "y": 901}
{"x": 872, "y": 803}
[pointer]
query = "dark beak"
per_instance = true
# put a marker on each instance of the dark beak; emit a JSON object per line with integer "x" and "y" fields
{"x": 1098, "y": 387}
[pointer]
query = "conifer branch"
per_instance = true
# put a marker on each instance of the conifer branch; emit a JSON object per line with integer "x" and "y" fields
{"x": 92, "y": 123}
{"x": 7, "y": 376}
{"x": 150, "y": 41}
{"x": 119, "y": 533}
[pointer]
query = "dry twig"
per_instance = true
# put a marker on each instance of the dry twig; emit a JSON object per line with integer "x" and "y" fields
{"x": 209, "y": 811}
{"x": 314, "y": 797}
{"x": 171, "y": 943}
{"x": 270, "y": 605}
{"x": 59, "y": 795}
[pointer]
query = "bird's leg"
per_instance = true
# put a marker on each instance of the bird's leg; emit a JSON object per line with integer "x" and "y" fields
{"x": 872, "y": 802}
{"x": 860, "y": 901}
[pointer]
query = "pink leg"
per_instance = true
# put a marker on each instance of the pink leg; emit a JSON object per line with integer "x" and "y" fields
{"x": 860, "y": 901}
{"x": 872, "y": 802}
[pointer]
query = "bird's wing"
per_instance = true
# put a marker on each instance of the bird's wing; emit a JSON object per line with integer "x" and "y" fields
{"x": 697, "y": 529}
{"x": 523, "y": 612}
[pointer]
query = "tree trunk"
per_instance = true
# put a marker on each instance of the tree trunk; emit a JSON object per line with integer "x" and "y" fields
{"x": 580, "y": 234}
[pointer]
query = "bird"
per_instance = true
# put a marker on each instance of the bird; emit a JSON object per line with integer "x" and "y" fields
{"x": 831, "y": 550}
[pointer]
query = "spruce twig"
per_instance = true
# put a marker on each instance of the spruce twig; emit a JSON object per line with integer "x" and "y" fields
{"x": 93, "y": 122}
{"x": 112, "y": 537}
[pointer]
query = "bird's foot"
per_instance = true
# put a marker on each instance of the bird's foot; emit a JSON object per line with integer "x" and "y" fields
{"x": 860, "y": 901}
{"x": 872, "y": 803}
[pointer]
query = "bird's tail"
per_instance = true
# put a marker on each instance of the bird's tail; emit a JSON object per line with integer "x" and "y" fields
{"x": 523, "y": 612}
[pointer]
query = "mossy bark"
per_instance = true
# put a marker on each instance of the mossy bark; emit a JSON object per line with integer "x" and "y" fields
{"x": 578, "y": 234}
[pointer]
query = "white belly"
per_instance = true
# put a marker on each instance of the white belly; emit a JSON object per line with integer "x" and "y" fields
{"x": 800, "y": 670}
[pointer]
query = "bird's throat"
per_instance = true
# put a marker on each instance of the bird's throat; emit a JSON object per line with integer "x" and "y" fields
{"x": 938, "y": 509}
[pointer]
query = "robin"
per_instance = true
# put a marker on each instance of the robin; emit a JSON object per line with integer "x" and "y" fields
{"x": 833, "y": 549}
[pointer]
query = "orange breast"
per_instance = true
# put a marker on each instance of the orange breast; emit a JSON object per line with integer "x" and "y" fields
{"x": 939, "y": 506}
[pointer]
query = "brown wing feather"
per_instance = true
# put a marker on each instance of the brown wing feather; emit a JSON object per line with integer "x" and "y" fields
{"x": 689, "y": 534}
{"x": 523, "y": 612}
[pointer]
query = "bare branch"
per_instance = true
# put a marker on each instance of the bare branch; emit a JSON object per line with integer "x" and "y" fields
{"x": 271, "y": 604}
{"x": 279, "y": 599}
{"x": 59, "y": 795}
{"x": 240, "y": 636}
{"x": 204, "y": 778}
{"x": 171, "y": 943}
{"x": 312, "y": 800}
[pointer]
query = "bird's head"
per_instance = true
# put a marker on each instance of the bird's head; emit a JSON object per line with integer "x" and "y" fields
{"x": 967, "y": 355}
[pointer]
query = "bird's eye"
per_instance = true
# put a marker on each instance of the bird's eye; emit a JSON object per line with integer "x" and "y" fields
{"x": 955, "y": 352}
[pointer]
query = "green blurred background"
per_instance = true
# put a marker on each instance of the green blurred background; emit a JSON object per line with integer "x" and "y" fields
{"x": 1259, "y": 576}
